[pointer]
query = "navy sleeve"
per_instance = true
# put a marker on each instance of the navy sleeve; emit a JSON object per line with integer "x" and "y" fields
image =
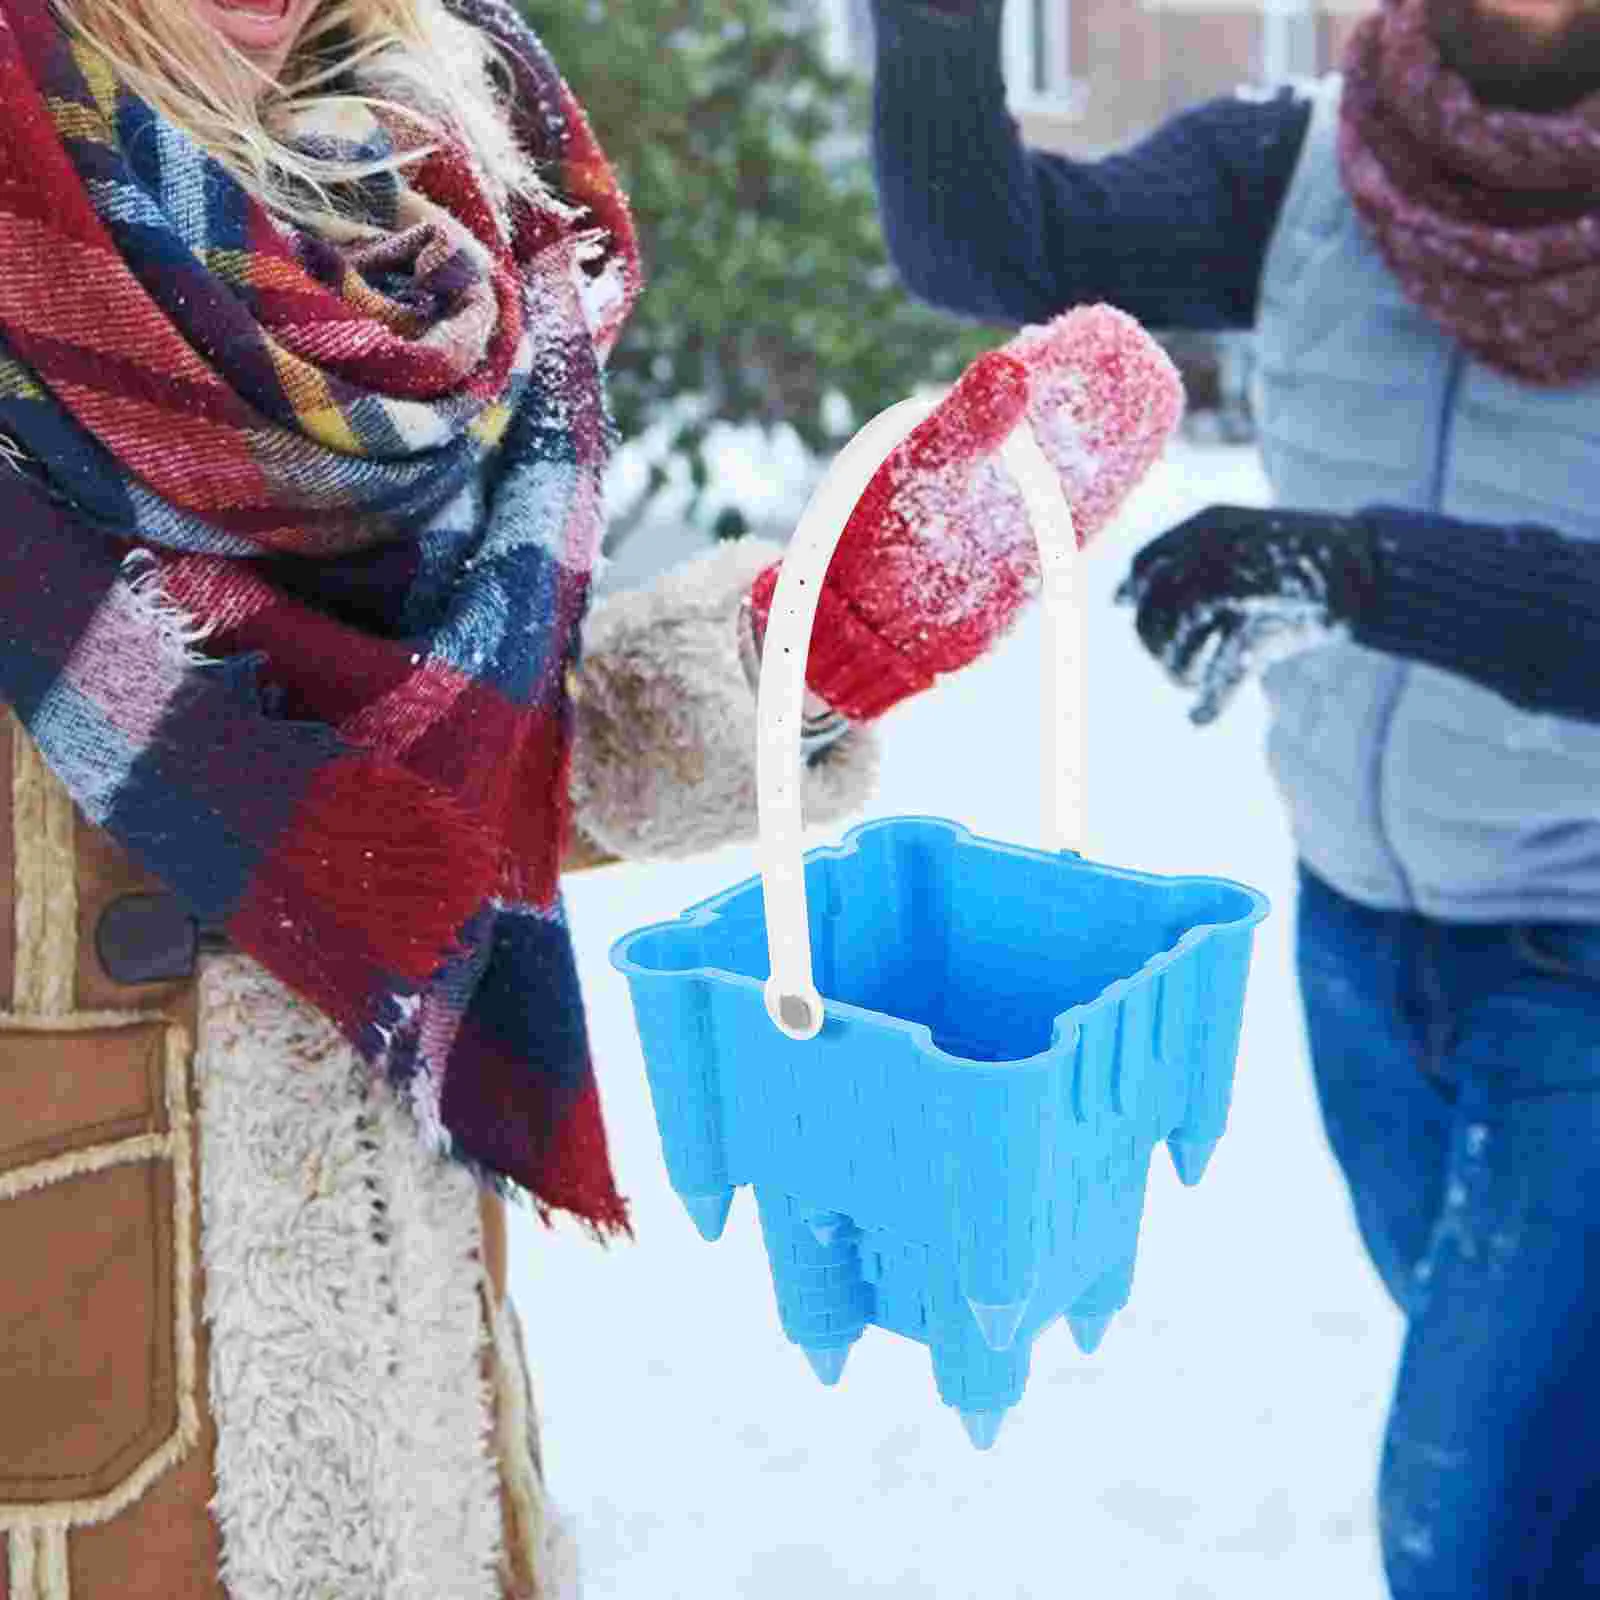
{"x": 1173, "y": 231}
{"x": 1515, "y": 609}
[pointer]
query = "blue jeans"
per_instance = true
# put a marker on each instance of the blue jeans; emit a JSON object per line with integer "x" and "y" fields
{"x": 1458, "y": 1068}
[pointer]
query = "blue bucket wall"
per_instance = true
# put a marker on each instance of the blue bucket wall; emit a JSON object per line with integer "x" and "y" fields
{"x": 960, "y": 1156}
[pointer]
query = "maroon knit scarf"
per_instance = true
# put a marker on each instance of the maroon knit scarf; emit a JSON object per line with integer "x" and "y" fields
{"x": 1489, "y": 218}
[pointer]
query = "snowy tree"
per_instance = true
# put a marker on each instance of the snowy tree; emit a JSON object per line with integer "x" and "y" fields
{"x": 771, "y": 298}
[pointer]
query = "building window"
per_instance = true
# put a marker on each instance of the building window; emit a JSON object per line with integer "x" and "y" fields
{"x": 1038, "y": 56}
{"x": 858, "y": 24}
{"x": 1037, "y": 45}
{"x": 1290, "y": 48}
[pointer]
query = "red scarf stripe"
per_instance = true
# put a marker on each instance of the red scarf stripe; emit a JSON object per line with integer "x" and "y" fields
{"x": 117, "y": 374}
{"x": 36, "y": 174}
{"x": 210, "y": 464}
{"x": 371, "y": 355}
{"x": 42, "y": 288}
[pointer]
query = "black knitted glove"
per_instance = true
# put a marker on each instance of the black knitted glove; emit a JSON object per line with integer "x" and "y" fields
{"x": 1234, "y": 588}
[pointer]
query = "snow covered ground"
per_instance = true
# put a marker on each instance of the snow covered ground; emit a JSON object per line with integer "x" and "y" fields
{"x": 1222, "y": 1443}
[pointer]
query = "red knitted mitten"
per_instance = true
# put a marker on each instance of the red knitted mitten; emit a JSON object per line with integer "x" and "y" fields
{"x": 938, "y": 557}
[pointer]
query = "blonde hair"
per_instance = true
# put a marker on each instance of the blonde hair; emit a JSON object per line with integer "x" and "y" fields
{"x": 412, "y": 57}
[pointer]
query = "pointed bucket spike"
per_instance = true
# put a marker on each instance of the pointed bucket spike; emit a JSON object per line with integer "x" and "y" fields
{"x": 825, "y": 1225}
{"x": 1087, "y": 1332}
{"x": 709, "y": 1212}
{"x": 1190, "y": 1157}
{"x": 827, "y": 1361}
{"x": 999, "y": 1324}
{"x": 983, "y": 1427}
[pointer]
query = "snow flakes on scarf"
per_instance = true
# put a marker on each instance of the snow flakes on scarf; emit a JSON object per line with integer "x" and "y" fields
{"x": 365, "y": 475}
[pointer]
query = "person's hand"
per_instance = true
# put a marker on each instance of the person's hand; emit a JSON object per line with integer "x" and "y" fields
{"x": 1234, "y": 588}
{"x": 938, "y": 557}
{"x": 664, "y": 702}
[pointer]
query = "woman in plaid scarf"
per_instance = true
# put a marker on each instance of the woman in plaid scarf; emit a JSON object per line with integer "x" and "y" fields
{"x": 303, "y": 322}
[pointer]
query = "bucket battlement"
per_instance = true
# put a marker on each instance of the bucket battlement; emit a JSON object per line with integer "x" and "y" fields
{"x": 916, "y": 911}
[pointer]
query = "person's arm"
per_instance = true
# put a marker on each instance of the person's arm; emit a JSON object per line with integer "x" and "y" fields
{"x": 1173, "y": 231}
{"x": 1516, "y": 609}
{"x": 1513, "y": 608}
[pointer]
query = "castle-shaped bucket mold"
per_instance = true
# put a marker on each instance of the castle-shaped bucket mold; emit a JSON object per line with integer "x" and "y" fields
{"x": 952, "y": 1145}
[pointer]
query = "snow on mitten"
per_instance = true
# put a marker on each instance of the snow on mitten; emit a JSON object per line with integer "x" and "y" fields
{"x": 1235, "y": 588}
{"x": 664, "y": 746}
{"x": 938, "y": 557}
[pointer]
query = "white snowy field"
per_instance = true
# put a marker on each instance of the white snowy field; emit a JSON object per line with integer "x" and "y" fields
{"x": 1222, "y": 1443}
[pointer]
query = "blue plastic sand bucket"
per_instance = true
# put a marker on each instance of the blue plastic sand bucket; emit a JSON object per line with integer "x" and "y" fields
{"x": 953, "y": 1145}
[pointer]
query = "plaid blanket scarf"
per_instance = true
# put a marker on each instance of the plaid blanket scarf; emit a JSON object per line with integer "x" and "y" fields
{"x": 365, "y": 472}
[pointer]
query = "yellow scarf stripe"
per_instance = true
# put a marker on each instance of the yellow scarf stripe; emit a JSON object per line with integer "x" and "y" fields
{"x": 327, "y": 426}
{"x": 79, "y": 119}
{"x": 17, "y": 382}
{"x": 491, "y": 423}
{"x": 308, "y": 393}
{"x": 367, "y": 300}
{"x": 251, "y": 271}
{"x": 74, "y": 120}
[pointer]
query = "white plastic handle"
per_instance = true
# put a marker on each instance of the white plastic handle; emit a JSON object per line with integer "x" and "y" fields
{"x": 791, "y": 996}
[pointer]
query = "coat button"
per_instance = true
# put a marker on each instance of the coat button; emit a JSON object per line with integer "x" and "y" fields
{"x": 147, "y": 938}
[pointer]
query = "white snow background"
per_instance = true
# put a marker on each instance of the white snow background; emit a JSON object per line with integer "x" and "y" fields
{"x": 1221, "y": 1445}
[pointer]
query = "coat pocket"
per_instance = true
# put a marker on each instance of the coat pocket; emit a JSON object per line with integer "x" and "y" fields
{"x": 97, "y": 1358}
